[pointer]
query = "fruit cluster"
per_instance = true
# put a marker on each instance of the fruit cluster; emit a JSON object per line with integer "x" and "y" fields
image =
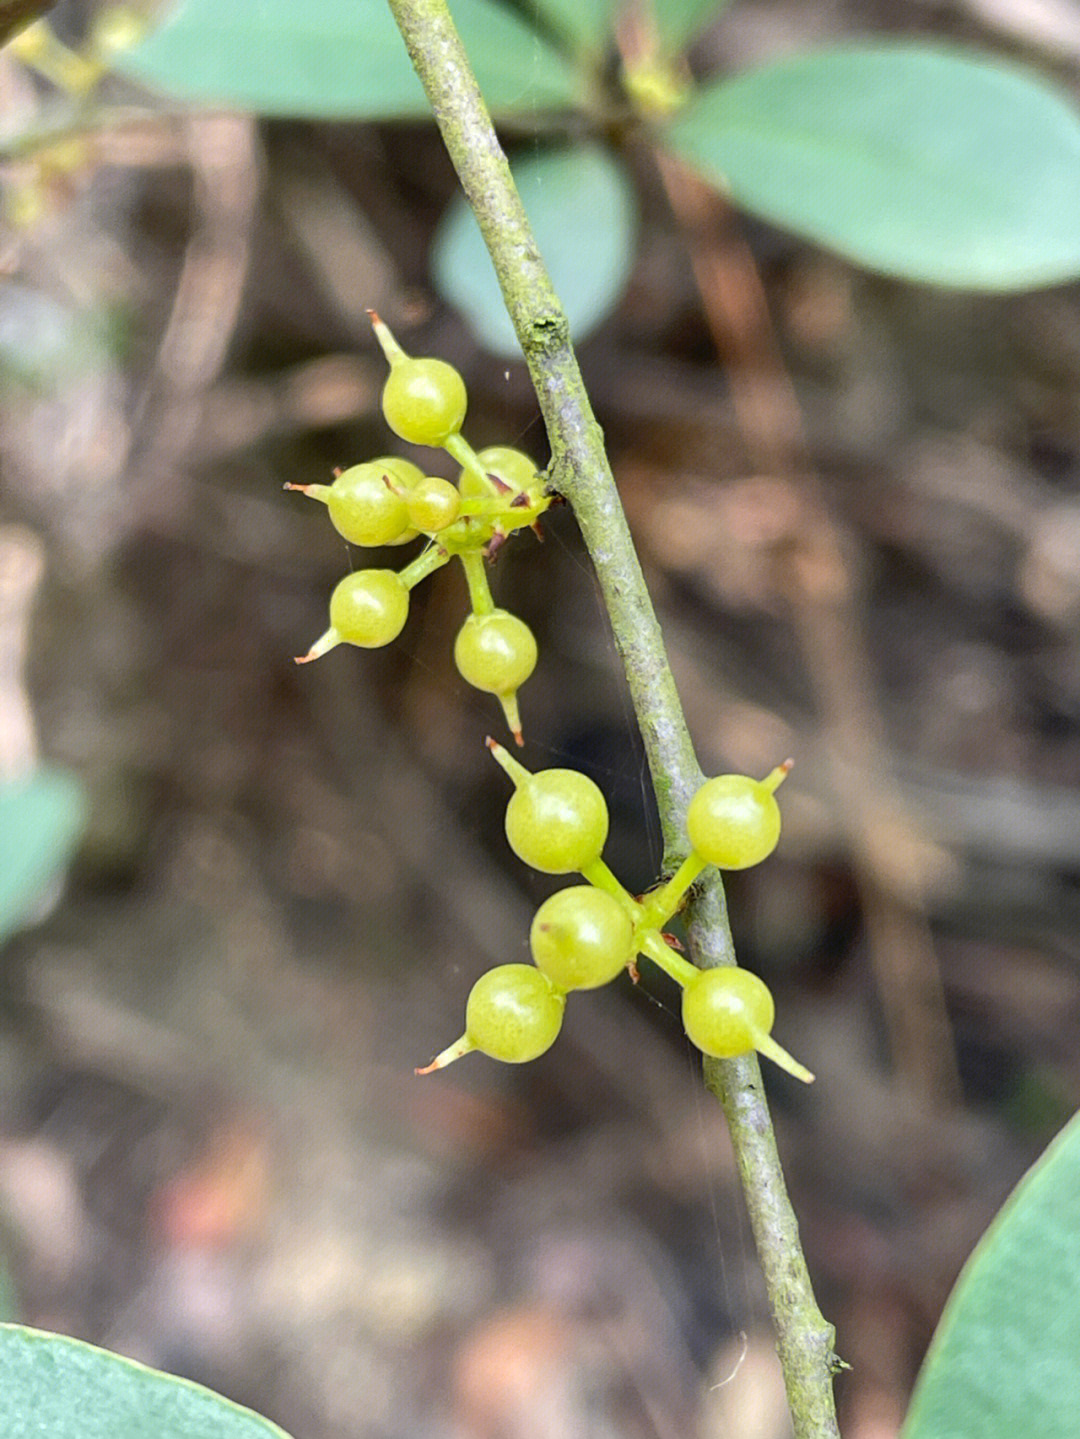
{"x": 584, "y": 936}
{"x": 390, "y": 501}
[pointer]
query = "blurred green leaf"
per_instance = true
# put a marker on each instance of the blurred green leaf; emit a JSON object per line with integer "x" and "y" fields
{"x": 586, "y": 25}
{"x": 678, "y": 21}
{"x": 337, "y": 59}
{"x": 15, "y": 13}
{"x": 581, "y": 205}
{"x": 64, "y": 1389}
{"x": 1005, "y": 1361}
{"x": 40, "y": 819}
{"x": 920, "y": 162}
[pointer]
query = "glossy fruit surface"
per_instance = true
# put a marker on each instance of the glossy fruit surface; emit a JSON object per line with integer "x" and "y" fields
{"x": 513, "y": 467}
{"x": 424, "y": 401}
{"x": 364, "y": 508}
{"x": 433, "y": 504}
{"x": 513, "y": 1013}
{"x": 495, "y": 652}
{"x": 726, "y": 1011}
{"x": 557, "y": 821}
{"x": 733, "y": 821}
{"x": 581, "y": 938}
{"x": 369, "y": 608}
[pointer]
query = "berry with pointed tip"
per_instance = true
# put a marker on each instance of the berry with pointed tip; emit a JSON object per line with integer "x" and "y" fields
{"x": 734, "y": 821}
{"x": 514, "y": 1013}
{"x": 424, "y": 400}
{"x": 729, "y": 1011}
{"x": 495, "y": 652}
{"x": 557, "y": 819}
{"x": 367, "y": 608}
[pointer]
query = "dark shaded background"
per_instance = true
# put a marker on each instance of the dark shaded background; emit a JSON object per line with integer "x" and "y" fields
{"x": 214, "y": 1153}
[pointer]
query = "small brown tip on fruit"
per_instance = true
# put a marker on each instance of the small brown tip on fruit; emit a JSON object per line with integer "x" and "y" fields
{"x": 429, "y": 1068}
{"x": 537, "y": 531}
{"x": 787, "y": 766}
{"x": 302, "y": 488}
{"x": 303, "y": 659}
{"x": 492, "y": 744}
{"x": 519, "y": 739}
{"x": 373, "y": 316}
{"x": 337, "y": 472}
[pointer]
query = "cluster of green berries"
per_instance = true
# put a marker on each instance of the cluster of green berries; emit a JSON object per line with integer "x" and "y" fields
{"x": 390, "y": 501}
{"x": 584, "y": 936}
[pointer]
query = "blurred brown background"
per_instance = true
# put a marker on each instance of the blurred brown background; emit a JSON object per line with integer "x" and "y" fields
{"x": 213, "y": 1152}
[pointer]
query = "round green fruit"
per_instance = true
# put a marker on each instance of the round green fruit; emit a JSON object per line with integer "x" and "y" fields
{"x": 495, "y": 652}
{"x": 727, "y": 1011}
{"x": 557, "y": 821}
{"x": 365, "y": 508}
{"x": 733, "y": 821}
{"x": 513, "y": 1013}
{"x": 581, "y": 938}
{"x": 369, "y": 608}
{"x": 424, "y": 401}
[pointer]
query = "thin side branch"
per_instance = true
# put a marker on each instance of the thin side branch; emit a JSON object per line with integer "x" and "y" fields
{"x": 581, "y": 472}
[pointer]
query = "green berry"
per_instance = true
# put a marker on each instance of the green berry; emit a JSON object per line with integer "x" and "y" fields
{"x": 511, "y": 466}
{"x": 495, "y": 652}
{"x": 424, "y": 401}
{"x": 726, "y": 1011}
{"x": 369, "y": 608}
{"x": 365, "y": 508}
{"x": 581, "y": 938}
{"x": 433, "y": 504}
{"x": 513, "y": 1013}
{"x": 557, "y": 821}
{"x": 734, "y": 821}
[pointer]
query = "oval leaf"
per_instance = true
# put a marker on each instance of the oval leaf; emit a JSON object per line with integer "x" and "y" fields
{"x": 919, "y": 162}
{"x": 337, "y": 59}
{"x": 68, "y": 1390}
{"x": 40, "y": 819}
{"x": 581, "y": 206}
{"x": 1005, "y": 1361}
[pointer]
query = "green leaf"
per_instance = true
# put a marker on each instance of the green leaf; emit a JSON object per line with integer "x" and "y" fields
{"x": 63, "y": 1389}
{"x": 1005, "y": 1361}
{"x": 678, "y": 21}
{"x": 40, "y": 819}
{"x": 585, "y": 25}
{"x": 581, "y": 206}
{"x": 337, "y": 59}
{"x": 920, "y": 162}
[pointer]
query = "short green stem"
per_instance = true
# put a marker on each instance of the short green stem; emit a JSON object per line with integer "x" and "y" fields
{"x": 473, "y": 563}
{"x": 601, "y": 877}
{"x": 663, "y": 902}
{"x": 426, "y": 563}
{"x": 665, "y": 958}
{"x": 458, "y": 448}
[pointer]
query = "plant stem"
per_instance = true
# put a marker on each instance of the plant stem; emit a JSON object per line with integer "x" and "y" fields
{"x": 581, "y": 472}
